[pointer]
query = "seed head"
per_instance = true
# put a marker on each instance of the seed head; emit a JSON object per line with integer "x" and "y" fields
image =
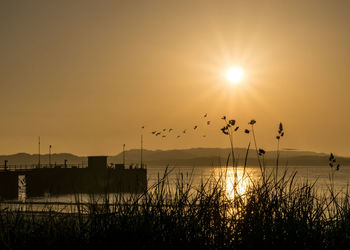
{"x": 252, "y": 122}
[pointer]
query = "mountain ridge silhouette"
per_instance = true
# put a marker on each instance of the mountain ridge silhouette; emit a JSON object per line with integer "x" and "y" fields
{"x": 191, "y": 157}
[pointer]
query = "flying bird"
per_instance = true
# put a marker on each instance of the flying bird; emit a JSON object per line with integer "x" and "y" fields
{"x": 153, "y": 132}
{"x": 205, "y": 115}
{"x": 164, "y": 129}
{"x": 170, "y": 129}
{"x": 178, "y": 136}
{"x": 143, "y": 127}
{"x": 163, "y": 136}
{"x": 184, "y": 131}
{"x": 208, "y": 122}
{"x": 158, "y": 134}
{"x": 195, "y": 127}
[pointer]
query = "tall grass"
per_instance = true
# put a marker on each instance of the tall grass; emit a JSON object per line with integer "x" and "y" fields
{"x": 271, "y": 212}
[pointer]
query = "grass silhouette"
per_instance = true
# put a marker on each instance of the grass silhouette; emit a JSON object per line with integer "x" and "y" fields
{"x": 274, "y": 211}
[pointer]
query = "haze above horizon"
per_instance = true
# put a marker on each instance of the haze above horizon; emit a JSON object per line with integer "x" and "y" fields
{"x": 86, "y": 76}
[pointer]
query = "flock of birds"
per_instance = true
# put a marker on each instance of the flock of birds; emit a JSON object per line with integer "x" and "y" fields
{"x": 163, "y": 133}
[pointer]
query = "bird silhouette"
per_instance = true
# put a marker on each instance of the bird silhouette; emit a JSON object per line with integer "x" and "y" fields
{"x": 163, "y": 136}
{"x": 178, "y": 136}
{"x": 205, "y": 115}
{"x": 158, "y": 134}
{"x": 153, "y": 132}
{"x": 195, "y": 127}
{"x": 208, "y": 122}
{"x": 164, "y": 129}
{"x": 170, "y": 129}
{"x": 184, "y": 131}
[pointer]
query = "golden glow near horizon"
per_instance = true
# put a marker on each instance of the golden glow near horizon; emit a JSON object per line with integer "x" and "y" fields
{"x": 86, "y": 82}
{"x": 235, "y": 75}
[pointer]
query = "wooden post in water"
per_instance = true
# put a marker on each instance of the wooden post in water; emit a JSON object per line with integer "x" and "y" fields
{"x": 50, "y": 156}
{"x": 124, "y": 155}
{"x": 141, "y": 149}
{"x": 39, "y": 154}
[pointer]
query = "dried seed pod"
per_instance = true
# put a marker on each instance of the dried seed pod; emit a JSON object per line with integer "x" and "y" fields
{"x": 261, "y": 151}
{"x": 224, "y": 130}
{"x": 252, "y": 122}
{"x": 280, "y": 128}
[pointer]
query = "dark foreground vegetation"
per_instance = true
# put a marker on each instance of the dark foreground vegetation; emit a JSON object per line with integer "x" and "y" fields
{"x": 272, "y": 212}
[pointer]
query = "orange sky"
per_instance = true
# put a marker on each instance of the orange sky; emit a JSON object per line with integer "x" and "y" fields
{"x": 86, "y": 75}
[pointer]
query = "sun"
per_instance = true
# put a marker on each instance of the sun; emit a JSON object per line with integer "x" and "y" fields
{"x": 235, "y": 75}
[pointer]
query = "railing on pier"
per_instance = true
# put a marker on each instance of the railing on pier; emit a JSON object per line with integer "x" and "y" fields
{"x": 20, "y": 167}
{"x": 41, "y": 166}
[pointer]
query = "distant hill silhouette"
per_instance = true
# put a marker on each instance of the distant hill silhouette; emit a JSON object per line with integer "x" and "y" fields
{"x": 218, "y": 157}
{"x": 29, "y": 159}
{"x": 184, "y": 157}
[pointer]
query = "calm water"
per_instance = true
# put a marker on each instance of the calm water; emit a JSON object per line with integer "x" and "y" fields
{"x": 196, "y": 175}
{"x": 320, "y": 174}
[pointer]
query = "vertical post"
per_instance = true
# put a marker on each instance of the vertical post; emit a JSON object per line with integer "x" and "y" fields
{"x": 141, "y": 150}
{"x": 50, "y": 155}
{"x": 124, "y": 155}
{"x": 39, "y": 154}
{"x": 5, "y": 167}
{"x": 22, "y": 188}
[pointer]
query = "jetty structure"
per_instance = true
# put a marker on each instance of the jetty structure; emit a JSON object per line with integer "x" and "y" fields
{"x": 96, "y": 177}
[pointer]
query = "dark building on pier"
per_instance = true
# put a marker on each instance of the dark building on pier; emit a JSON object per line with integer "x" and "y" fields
{"x": 97, "y": 177}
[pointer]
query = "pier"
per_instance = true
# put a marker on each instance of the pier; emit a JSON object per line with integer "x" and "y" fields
{"x": 95, "y": 177}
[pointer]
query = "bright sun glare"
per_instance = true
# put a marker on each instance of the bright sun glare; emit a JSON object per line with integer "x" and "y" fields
{"x": 235, "y": 75}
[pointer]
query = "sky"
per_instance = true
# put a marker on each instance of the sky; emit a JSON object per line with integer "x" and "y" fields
{"x": 86, "y": 75}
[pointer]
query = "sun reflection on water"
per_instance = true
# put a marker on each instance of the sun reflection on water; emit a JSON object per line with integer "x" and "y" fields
{"x": 235, "y": 181}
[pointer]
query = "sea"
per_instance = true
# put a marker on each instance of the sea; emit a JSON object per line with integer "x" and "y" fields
{"x": 323, "y": 178}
